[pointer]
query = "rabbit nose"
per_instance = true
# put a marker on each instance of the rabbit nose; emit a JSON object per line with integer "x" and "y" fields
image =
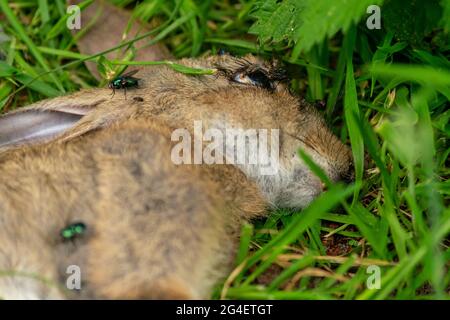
{"x": 348, "y": 176}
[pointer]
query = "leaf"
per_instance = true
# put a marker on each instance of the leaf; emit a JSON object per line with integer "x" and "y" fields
{"x": 351, "y": 111}
{"x": 5, "y": 90}
{"x": 197, "y": 36}
{"x": 23, "y": 35}
{"x": 238, "y": 43}
{"x": 277, "y": 21}
{"x": 300, "y": 222}
{"x": 445, "y": 21}
{"x": 400, "y": 130}
{"x": 44, "y": 10}
{"x": 37, "y": 85}
{"x": 298, "y": 225}
{"x": 305, "y": 22}
{"x": 105, "y": 68}
{"x": 6, "y": 70}
{"x": 188, "y": 70}
{"x": 409, "y": 72}
{"x": 175, "y": 66}
{"x": 411, "y": 21}
{"x": 373, "y": 229}
{"x": 245, "y": 242}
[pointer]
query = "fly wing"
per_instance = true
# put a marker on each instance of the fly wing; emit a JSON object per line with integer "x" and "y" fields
{"x": 130, "y": 73}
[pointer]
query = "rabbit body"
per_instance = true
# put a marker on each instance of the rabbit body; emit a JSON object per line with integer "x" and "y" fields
{"x": 154, "y": 229}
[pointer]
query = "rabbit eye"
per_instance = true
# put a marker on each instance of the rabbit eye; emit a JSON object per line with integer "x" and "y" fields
{"x": 222, "y": 52}
{"x": 73, "y": 231}
{"x": 257, "y": 78}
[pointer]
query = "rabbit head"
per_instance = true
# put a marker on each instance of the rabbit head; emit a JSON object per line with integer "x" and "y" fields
{"x": 250, "y": 94}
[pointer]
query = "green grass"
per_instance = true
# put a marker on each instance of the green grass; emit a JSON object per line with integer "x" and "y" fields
{"x": 385, "y": 94}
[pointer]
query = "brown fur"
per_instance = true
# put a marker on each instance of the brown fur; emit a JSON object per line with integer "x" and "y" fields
{"x": 154, "y": 229}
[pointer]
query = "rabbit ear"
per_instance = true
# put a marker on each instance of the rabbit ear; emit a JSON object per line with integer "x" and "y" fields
{"x": 34, "y": 125}
{"x": 47, "y": 119}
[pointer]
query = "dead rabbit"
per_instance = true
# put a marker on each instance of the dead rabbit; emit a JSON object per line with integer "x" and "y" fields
{"x": 153, "y": 229}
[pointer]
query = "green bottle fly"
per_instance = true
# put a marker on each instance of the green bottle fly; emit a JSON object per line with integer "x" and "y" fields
{"x": 124, "y": 81}
{"x": 73, "y": 230}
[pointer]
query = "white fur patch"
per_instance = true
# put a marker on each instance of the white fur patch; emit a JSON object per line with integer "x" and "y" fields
{"x": 26, "y": 288}
{"x": 293, "y": 184}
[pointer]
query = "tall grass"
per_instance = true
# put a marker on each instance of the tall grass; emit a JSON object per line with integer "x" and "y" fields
{"x": 385, "y": 97}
